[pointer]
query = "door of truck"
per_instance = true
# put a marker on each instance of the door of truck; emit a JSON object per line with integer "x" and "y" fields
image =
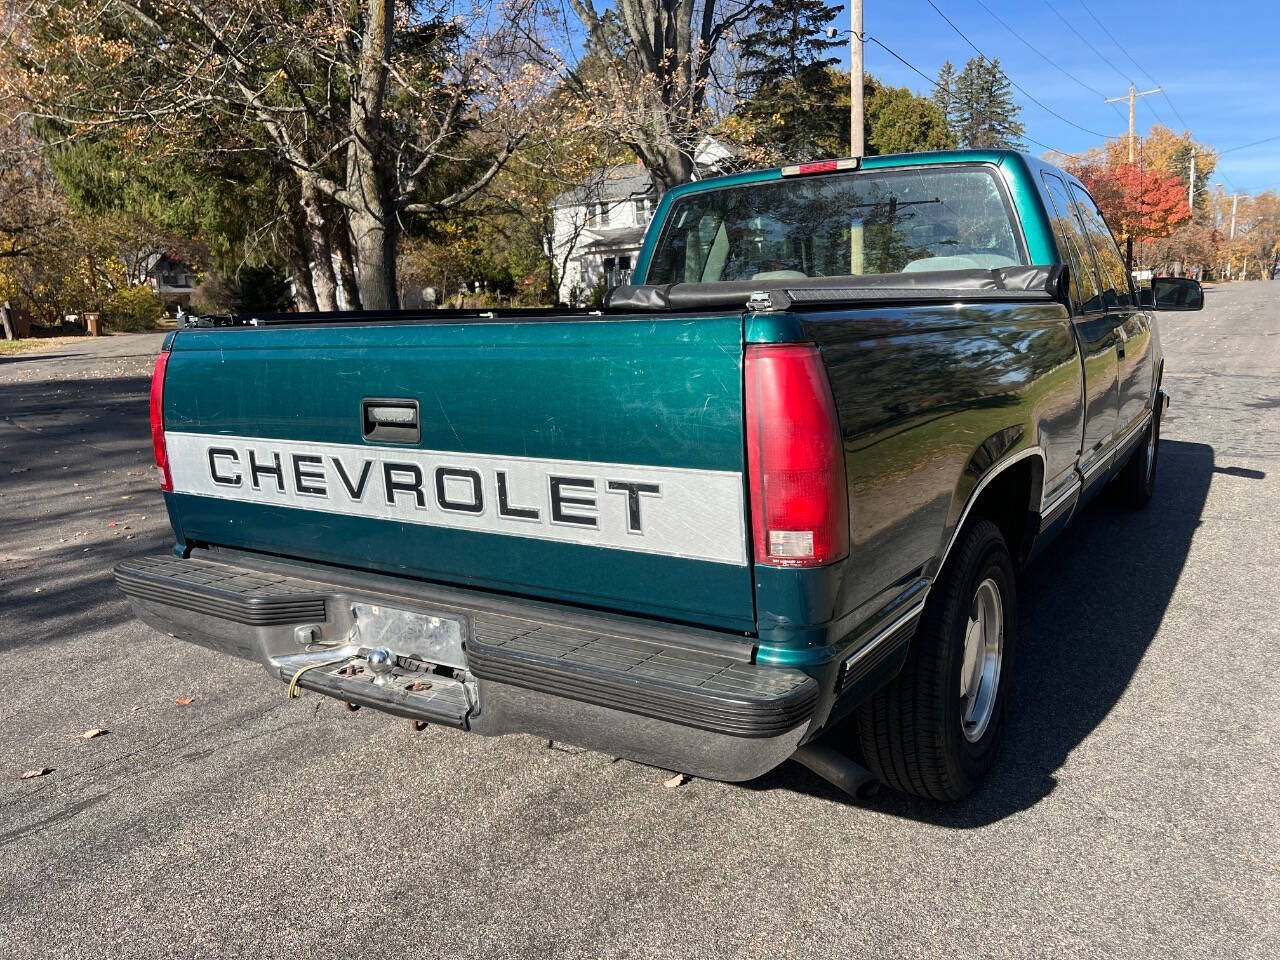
{"x": 1134, "y": 328}
{"x": 1097, "y": 330}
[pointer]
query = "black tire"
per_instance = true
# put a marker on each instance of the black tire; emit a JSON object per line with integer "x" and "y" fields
{"x": 911, "y": 731}
{"x": 1135, "y": 484}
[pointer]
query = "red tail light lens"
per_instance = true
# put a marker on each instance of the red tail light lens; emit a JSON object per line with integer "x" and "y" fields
{"x": 799, "y": 500}
{"x": 157, "y": 421}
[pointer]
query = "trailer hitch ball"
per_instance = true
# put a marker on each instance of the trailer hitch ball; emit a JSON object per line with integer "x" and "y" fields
{"x": 380, "y": 660}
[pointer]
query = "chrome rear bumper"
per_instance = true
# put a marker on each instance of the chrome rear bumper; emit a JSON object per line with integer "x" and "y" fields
{"x": 678, "y": 698}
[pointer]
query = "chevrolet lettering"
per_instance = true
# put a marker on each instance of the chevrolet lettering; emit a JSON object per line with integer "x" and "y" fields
{"x": 771, "y": 501}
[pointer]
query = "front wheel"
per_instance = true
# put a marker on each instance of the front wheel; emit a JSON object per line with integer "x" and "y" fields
{"x": 935, "y": 729}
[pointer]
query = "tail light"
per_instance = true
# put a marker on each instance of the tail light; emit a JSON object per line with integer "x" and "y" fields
{"x": 799, "y": 500}
{"x": 157, "y": 421}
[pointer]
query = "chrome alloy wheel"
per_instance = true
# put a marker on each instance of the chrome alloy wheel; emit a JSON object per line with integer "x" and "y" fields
{"x": 1151, "y": 449}
{"x": 983, "y": 652}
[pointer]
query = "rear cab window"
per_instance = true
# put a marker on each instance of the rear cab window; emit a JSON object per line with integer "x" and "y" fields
{"x": 953, "y": 217}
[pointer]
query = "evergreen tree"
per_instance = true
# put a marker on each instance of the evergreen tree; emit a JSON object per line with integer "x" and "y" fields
{"x": 979, "y": 104}
{"x": 787, "y": 69}
{"x": 945, "y": 90}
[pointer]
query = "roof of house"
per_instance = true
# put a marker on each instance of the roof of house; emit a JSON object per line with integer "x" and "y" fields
{"x": 608, "y": 239}
{"x": 613, "y": 183}
{"x": 632, "y": 179}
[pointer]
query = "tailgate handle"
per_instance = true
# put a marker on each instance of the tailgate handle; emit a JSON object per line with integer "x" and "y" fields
{"x": 390, "y": 420}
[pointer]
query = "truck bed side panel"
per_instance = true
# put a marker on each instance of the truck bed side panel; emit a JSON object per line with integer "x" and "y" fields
{"x": 929, "y": 397}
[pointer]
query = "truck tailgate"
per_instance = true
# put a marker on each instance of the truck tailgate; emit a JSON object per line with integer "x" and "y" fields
{"x": 597, "y": 461}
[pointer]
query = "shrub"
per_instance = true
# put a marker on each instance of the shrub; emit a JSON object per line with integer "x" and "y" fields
{"x": 132, "y": 309}
{"x": 213, "y": 295}
{"x": 595, "y": 298}
{"x": 262, "y": 290}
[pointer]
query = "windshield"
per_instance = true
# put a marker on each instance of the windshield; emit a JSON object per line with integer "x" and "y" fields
{"x": 884, "y": 221}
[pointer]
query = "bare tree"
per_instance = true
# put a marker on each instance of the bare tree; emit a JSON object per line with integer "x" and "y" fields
{"x": 653, "y": 91}
{"x": 379, "y": 109}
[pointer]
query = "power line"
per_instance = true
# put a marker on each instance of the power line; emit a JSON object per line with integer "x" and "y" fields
{"x": 911, "y": 66}
{"x": 1245, "y": 146}
{"x": 893, "y": 53}
{"x": 1137, "y": 66}
{"x": 1014, "y": 83}
{"x": 1164, "y": 93}
{"x": 1085, "y": 40}
{"x": 1043, "y": 56}
{"x": 1109, "y": 61}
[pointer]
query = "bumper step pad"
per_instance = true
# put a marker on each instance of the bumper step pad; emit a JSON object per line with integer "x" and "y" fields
{"x": 219, "y": 590}
{"x": 684, "y": 686}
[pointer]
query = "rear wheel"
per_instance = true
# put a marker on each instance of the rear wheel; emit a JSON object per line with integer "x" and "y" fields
{"x": 934, "y": 731}
{"x": 1135, "y": 484}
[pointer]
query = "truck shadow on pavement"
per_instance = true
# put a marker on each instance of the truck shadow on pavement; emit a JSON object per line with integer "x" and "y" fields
{"x": 1089, "y": 609}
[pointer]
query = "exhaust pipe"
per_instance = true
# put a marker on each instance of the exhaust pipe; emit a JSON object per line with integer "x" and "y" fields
{"x": 838, "y": 770}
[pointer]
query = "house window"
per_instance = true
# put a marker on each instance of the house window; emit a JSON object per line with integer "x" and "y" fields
{"x": 642, "y": 210}
{"x": 616, "y": 270}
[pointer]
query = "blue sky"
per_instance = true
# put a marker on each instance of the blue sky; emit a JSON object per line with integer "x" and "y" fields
{"x": 1219, "y": 64}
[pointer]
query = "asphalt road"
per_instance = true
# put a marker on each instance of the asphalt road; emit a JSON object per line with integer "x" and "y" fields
{"x": 1135, "y": 812}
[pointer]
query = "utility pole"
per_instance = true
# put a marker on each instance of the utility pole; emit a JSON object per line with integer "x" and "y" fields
{"x": 856, "y": 146}
{"x": 1132, "y": 97}
{"x": 1235, "y": 199}
{"x": 1191, "y": 184}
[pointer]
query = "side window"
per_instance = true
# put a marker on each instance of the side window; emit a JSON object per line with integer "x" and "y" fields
{"x": 1084, "y": 279}
{"x": 1115, "y": 278}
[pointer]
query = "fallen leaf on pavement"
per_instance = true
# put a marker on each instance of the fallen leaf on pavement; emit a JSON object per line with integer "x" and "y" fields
{"x": 678, "y": 780}
{"x": 91, "y": 734}
{"x": 32, "y": 774}
{"x": 184, "y": 701}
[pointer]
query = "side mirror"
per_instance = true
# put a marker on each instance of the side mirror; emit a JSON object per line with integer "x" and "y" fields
{"x": 1176, "y": 293}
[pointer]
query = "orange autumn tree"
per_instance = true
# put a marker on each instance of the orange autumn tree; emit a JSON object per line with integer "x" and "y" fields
{"x": 1139, "y": 204}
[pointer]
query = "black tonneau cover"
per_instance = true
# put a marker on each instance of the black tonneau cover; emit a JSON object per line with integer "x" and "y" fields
{"x": 1004, "y": 283}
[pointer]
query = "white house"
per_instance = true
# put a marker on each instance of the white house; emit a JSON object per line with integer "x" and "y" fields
{"x": 172, "y": 279}
{"x": 598, "y": 227}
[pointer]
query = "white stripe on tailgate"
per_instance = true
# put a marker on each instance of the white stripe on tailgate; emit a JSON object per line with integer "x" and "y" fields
{"x": 671, "y": 511}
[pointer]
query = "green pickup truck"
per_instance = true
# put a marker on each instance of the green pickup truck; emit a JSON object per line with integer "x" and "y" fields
{"x": 785, "y": 479}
